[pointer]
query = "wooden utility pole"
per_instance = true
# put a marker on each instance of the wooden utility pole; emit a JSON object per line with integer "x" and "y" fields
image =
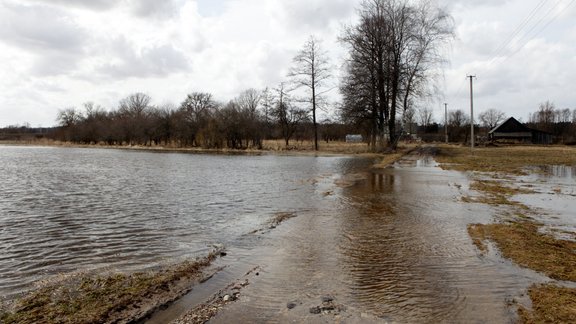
{"x": 446, "y": 122}
{"x": 471, "y": 110}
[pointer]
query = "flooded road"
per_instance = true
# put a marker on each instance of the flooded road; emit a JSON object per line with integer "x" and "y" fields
{"x": 391, "y": 246}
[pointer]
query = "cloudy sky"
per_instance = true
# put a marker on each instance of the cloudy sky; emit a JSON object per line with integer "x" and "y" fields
{"x": 56, "y": 54}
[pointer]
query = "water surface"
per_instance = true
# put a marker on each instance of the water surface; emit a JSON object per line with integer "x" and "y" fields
{"x": 65, "y": 210}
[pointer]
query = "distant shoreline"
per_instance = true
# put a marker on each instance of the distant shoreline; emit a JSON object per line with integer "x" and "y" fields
{"x": 272, "y": 147}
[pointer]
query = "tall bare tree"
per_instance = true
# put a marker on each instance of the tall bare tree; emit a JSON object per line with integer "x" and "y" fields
{"x": 395, "y": 45}
{"x": 248, "y": 103}
{"x": 311, "y": 71}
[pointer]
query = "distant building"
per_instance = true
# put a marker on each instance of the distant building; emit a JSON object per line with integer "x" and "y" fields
{"x": 513, "y": 130}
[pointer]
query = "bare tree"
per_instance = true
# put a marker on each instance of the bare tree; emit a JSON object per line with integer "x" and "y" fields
{"x": 360, "y": 100}
{"x": 409, "y": 119}
{"x": 135, "y": 104}
{"x": 457, "y": 118}
{"x": 69, "y": 117}
{"x": 425, "y": 116}
{"x": 395, "y": 45}
{"x": 248, "y": 103}
{"x": 287, "y": 116}
{"x": 311, "y": 71}
{"x": 194, "y": 111}
{"x": 492, "y": 118}
{"x": 564, "y": 115}
{"x": 267, "y": 106}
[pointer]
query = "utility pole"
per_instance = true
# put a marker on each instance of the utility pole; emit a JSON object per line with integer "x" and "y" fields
{"x": 446, "y": 122}
{"x": 471, "y": 110}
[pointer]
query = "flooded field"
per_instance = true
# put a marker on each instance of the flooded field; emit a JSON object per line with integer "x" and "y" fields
{"x": 356, "y": 244}
{"x": 69, "y": 210}
{"x": 390, "y": 247}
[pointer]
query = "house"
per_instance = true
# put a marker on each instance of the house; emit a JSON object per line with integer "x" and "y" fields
{"x": 513, "y": 130}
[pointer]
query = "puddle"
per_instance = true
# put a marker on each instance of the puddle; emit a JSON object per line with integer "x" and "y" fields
{"x": 553, "y": 197}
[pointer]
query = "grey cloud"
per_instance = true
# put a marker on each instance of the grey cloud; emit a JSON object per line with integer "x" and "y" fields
{"x": 155, "y": 8}
{"x": 473, "y": 3}
{"x": 150, "y": 62}
{"x": 141, "y": 8}
{"x": 89, "y": 4}
{"x": 49, "y": 34}
{"x": 40, "y": 28}
{"x": 306, "y": 14}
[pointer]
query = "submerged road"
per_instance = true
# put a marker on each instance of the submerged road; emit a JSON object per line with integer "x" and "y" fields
{"x": 388, "y": 245}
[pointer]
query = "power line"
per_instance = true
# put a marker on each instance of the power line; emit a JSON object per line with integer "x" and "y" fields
{"x": 516, "y": 31}
{"x": 541, "y": 29}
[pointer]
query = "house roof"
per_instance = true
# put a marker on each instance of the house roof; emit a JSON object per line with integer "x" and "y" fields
{"x": 510, "y": 125}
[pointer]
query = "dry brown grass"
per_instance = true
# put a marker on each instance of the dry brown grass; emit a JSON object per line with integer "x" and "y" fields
{"x": 495, "y": 193}
{"x": 304, "y": 146}
{"x": 550, "y": 304}
{"x": 508, "y": 159}
{"x": 525, "y": 245}
{"x": 113, "y": 298}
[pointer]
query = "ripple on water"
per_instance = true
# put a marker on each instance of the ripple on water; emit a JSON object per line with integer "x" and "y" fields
{"x": 64, "y": 210}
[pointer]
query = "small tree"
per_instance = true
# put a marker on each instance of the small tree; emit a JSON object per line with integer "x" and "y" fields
{"x": 287, "y": 116}
{"x": 311, "y": 71}
{"x": 425, "y": 116}
{"x": 492, "y": 118}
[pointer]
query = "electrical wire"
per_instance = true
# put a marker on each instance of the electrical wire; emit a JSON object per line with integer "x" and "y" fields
{"x": 516, "y": 31}
{"x": 540, "y": 30}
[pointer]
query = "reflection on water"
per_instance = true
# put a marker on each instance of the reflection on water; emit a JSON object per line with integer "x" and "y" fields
{"x": 560, "y": 171}
{"x": 553, "y": 192}
{"x": 392, "y": 247}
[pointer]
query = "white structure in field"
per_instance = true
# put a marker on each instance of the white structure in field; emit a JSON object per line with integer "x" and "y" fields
{"x": 354, "y": 139}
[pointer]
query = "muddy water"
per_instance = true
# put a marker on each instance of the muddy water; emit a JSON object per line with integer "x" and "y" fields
{"x": 387, "y": 246}
{"x": 65, "y": 211}
{"x": 391, "y": 246}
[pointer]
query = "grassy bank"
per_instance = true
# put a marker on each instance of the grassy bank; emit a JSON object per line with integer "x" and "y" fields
{"x": 523, "y": 243}
{"x": 107, "y": 299}
{"x": 520, "y": 239}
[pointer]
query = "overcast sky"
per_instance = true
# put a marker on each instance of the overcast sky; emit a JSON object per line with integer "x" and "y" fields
{"x": 56, "y": 54}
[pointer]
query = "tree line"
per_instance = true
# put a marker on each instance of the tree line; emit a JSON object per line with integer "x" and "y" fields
{"x": 199, "y": 121}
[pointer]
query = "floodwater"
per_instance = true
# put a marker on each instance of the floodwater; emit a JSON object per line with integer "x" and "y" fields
{"x": 552, "y": 197}
{"x": 386, "y": 245}
{"x": 65, "y": 210}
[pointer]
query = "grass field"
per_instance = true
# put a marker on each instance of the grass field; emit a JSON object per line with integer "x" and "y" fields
{"x": 505, "y": 159}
